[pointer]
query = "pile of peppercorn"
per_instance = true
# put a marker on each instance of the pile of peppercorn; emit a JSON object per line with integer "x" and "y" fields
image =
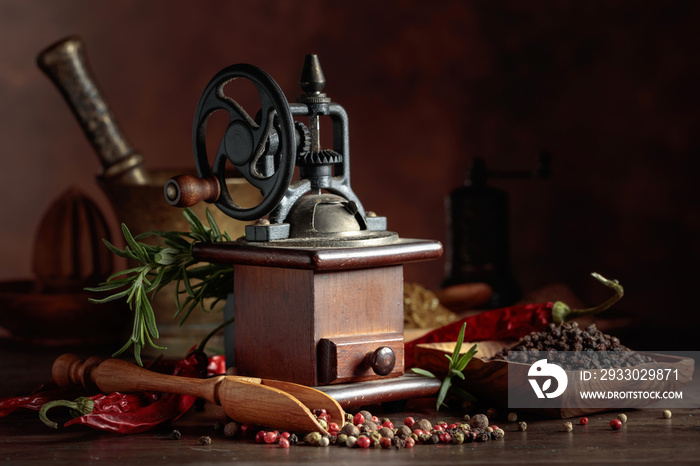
{"x": 551, "y": 342}
{"x": 364, "y": 430}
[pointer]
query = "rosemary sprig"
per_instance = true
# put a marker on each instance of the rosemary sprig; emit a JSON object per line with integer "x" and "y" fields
{"x": 160, "y": 265}
{"x": 457, "y": 364}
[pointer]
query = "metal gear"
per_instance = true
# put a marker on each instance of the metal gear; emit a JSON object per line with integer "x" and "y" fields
{"x": 303, "y": 138}
{"x": 324, "y": 157}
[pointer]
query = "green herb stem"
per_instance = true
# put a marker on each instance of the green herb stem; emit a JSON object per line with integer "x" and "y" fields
{"x": 458, "y": 362}
{"x": 159, "y": 265}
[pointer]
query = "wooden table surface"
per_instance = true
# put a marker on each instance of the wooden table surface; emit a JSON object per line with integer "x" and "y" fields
{"x": 645, "y": 438}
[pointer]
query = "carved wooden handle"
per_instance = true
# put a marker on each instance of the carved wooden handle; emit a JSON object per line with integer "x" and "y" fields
{"x": 188, "y": 190}
{"x": 65, "y": 63}
{"x": 69, "y": 369}
{"x": 245, "y": 399}
{"x": 115, "y": 375}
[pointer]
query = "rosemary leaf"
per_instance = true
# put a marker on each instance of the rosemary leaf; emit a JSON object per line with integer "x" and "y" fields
{"x": 121, "y": 253}
{"x": 442, "y": 394}
{"x": 455, "y": 369}
{"x": 107, "y": 299}
{"x": 160, "y": 265}
{"x": 423, "y": 372}
{"x": 108, "y": 286}
{"x": 212, "y": 224}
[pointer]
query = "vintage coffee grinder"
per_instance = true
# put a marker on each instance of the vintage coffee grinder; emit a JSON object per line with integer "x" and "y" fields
{"x": 318, "y": 283}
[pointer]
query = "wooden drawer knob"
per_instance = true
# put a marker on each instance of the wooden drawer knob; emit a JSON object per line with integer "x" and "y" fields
{"x": 382, "y": 360}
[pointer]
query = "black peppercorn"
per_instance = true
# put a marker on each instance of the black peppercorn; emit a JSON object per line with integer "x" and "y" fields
{"x": 479, "y": 421}
{"x": 350, "y": 430}
{"x": 424, "y": 425}
{"x": 293, "y": 439}
{"x": 230, "y": 429}
{"x": 371, "y": 426}
{"x": 398, "y": 442}
{"x": 403, "y": 432}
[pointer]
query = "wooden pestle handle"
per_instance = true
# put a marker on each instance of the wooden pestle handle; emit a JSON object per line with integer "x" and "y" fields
{"x": 115, "y": 375}
{"x": 65, "y": 63}
{"x": 188, "y": 190}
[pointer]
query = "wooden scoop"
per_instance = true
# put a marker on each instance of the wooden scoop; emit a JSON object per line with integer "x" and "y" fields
{"x": 282, "y": 405}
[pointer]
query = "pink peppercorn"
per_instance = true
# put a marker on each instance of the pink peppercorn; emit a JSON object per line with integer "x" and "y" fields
{"x": 260, "y": 436}
{"x": 363, "y": 442}
{"x": 615, "y": 424}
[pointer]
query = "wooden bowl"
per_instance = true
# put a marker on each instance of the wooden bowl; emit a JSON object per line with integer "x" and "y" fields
{"x": 57, "y": 319}
{"x": 487, "y": 379}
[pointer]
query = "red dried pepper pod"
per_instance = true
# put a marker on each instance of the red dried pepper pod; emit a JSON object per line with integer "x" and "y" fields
{"x": 37, "y": 399}
{"x": 511, "y": 322}
{"x": 142, "y": 415}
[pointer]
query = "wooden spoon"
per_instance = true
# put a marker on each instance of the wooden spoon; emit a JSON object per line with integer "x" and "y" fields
{"x": 281, "y": 405}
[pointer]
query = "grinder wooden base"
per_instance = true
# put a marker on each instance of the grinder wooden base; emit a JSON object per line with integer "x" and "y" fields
{"x": 313, "y": 315}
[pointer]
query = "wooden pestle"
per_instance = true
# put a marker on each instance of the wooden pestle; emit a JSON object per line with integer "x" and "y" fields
{"x": 247, "y": 400}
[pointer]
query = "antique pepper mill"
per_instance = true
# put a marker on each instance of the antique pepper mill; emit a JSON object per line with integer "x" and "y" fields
{"x": 318, "y": 284}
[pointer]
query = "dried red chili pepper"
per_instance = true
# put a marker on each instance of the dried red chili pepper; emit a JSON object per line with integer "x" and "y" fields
{"x": 217, "y": 365}
{"x": 37, "y": 399}
{"x": 118, "y": 413}
{"x": 510, "y": 322}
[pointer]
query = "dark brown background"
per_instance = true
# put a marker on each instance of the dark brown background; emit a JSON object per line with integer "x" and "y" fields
{"x": 610, "y": 88}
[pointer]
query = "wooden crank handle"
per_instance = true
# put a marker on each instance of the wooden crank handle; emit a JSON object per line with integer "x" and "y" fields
{"x": 188, "y": 190}
{"x": 66, "y": 65}
{"x": 115, "y": 375}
